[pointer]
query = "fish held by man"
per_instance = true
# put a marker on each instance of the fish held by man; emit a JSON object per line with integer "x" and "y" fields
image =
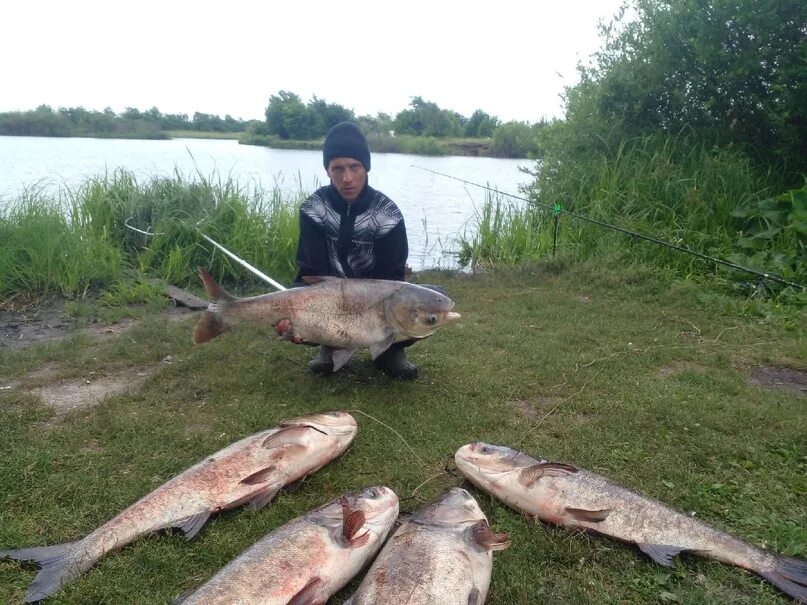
{"x": 441, "y": 554}
{"x": 565, "y": 495}
{"x": 250, "y": 471}
{"x": 308, "y": 559}
{"x": 345, "y": 314}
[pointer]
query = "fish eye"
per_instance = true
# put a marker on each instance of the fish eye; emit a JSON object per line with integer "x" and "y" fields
{"x": 431, "y": 320}
{"x": 373, "y": 492}
{"x": 485, "y": 449}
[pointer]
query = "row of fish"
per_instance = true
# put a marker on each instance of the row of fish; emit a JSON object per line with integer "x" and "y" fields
{"x": 440, "y": 554}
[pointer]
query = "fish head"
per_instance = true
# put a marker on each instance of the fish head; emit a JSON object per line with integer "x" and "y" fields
{"x": 379, "y": 505}
{"x": 417, "y": 311}
{"x": 453, "y": 507}
{"x": 483, "y": 463}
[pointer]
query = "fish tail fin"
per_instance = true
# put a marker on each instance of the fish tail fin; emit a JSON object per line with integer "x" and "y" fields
{"x": 790, "y": 576}
{"x": 57, "y": 567}
{"x": 210, "y": 324}
{"x": 208, "y": 327}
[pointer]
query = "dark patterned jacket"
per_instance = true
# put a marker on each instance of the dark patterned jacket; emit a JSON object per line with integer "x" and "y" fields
{"x": 365, "y": 239}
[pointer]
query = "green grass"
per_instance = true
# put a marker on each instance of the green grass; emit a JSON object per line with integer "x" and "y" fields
{"x": 620, "y": 371}
{"x": 76, "y": 242}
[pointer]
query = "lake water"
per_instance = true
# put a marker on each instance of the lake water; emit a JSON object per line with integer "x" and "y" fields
{"x": 436, "y": 208}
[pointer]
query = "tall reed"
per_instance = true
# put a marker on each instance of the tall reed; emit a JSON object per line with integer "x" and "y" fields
{"x": 77, "y": 239}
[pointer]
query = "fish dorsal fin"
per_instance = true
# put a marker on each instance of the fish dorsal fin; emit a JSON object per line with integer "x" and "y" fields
{"x": 378, "y": 348}
{"x": 589, "y": 516}
{"x": 261, "y": 476}
{"x": 533, "y": 473}
{"x": 352, "y": 522}
{"x": 661, "y": 553}
{"x": 340, "y": 357}
{"x": 310, "y": 594}
{"x": 317, "y": 279}
{"x": 487, "y": 538}
{"x": 191, "y": 525}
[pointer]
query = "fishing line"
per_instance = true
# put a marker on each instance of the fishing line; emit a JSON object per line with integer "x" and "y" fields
{"x": 557, "y": 210}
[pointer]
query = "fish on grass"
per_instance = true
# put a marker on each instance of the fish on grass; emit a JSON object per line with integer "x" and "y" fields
{"x": 250, "y": 471}
{"x": 575, "y": 498}
{"x": 344, "y": 314}
{"x": 441, "y": 554}
{"x": 308, "y": 559}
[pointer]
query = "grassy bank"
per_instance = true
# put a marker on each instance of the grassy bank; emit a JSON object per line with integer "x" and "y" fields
{"x": 408, "y": 144}
{"x": 198, "y": 134}
{"x": 76, "y": 242}
{"x": 702, "y": 198}
{"x": 624, "y": 372}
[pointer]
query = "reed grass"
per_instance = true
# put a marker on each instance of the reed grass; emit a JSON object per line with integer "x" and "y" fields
{"x": 76, "y": 240}
{"x": 672, "y": 188}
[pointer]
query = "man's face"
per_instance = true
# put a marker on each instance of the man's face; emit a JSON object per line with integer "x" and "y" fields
{"x": 348, "y": 176}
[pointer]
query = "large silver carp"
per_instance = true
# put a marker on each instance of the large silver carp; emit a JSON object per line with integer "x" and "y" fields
{"x": 250, "y": 471}
{"x": 345, "y": 314}
{"x": 307, "y": 560}
{"x": 441, "y": 554}
{"x": 575, "y": 498}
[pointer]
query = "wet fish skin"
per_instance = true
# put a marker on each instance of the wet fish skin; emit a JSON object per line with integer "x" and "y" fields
{"x": 564, "y": 495}
{"x": 308, "y": 559}
{"x": 441, "y": 554}
{"x": 345, "y": 314}
{"x": 249, "y": 471}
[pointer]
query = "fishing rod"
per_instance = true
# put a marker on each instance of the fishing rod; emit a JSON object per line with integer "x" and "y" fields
{"x": 232, "y": 255}
{"x": 557, "y": 210}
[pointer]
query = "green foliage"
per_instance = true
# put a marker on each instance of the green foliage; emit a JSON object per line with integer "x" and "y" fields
{"x": 517, "y": 140}
{"x": 480, "y": 124}
{"x": 78, "y": 240}
{"x": 774, "y": 232}
{"x": 504, "y": 234}
{"x": 425, "y": 118}
{"x": 731, "y": 71}
{"x": 287, "y": 117}
{"x": 132, "y": 123}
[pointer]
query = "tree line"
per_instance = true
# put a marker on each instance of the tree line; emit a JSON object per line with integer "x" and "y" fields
{"x": 77, "y": 121}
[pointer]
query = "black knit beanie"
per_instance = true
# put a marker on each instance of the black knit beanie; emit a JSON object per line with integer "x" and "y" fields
{"x": 345, "y": 140}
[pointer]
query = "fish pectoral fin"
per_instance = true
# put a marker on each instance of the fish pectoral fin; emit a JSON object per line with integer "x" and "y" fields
{"x": 589, "y": 516}
{"x": 261, "y": 476}
{"x": 378, "y": 348}
{"x": 661, "y": 553}
{"x": 533, "y": 473}
{"x": 192, "y": 524}
{"x": 310, "y": 594}
{"x": 487, "y": 538}
{"x": 289, "y": 436}
{"x": 341, "y": 357}
{"x": 352, "y": 522}
{"x": 264, "y": 496}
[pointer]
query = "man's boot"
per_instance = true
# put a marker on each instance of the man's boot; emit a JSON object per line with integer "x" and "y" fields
{"x": 323, "y": 362}
{"x": 394, "y": 362}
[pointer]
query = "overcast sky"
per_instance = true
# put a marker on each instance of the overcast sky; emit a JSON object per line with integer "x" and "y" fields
{"x": 510, "y": 58}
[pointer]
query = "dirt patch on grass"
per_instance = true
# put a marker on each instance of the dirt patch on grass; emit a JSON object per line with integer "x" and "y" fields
{"x": 773, "y": 377}
{"x": 64, "y": 396}
{"x": 535, "y": 406}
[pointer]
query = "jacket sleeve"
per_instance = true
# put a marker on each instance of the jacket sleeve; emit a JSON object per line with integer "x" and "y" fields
{"x": 391, "y": 252}
{"x": 312, "y": 250}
